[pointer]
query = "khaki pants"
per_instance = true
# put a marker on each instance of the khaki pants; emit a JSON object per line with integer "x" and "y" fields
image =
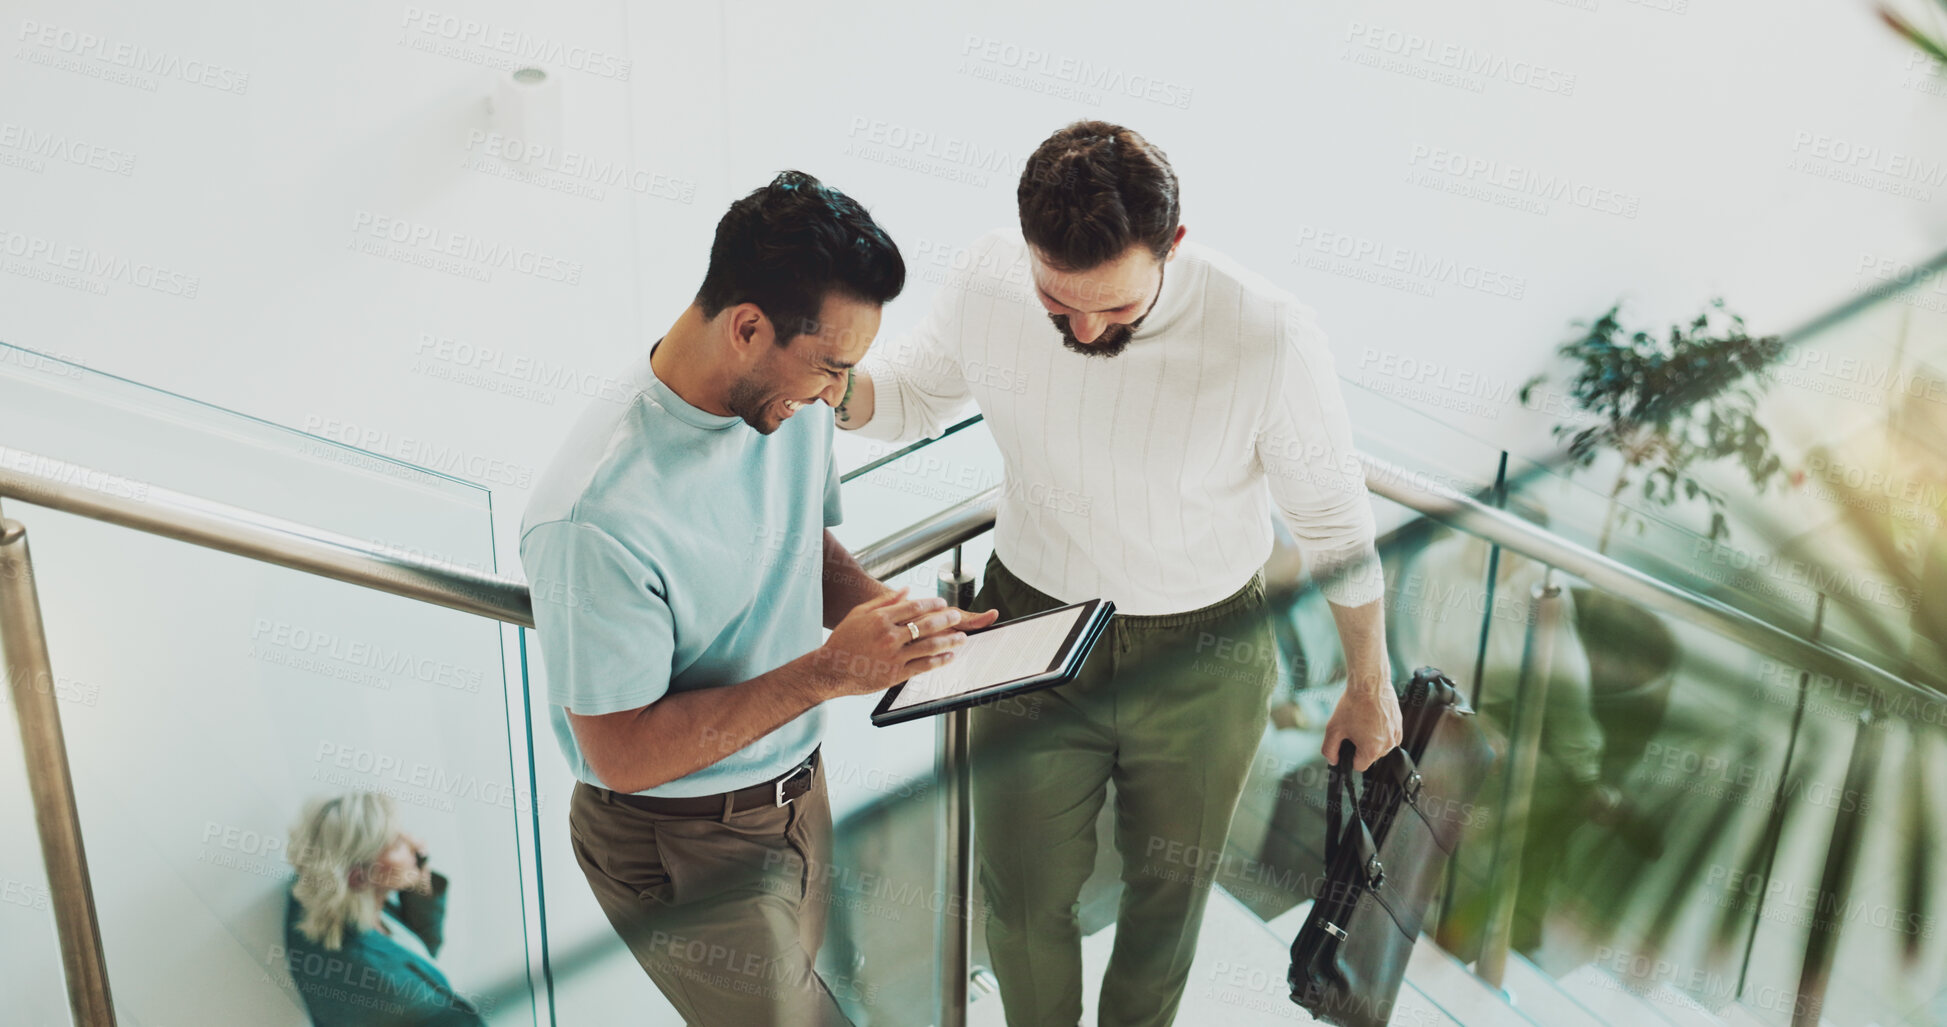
{"x": 725, "y": 913}
{"x": 1172, "y": 709}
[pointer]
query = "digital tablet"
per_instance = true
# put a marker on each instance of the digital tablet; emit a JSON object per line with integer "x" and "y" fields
{"x": 1020, "y": 655}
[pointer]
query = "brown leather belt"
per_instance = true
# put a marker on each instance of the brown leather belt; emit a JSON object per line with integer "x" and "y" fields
{"x": 778, "y": 791}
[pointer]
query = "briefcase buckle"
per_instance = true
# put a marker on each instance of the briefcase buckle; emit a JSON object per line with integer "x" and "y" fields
{"x": 1411, "y": 791}
{"x": 1333, "y": 929}
{"x": 1375, "y": 872}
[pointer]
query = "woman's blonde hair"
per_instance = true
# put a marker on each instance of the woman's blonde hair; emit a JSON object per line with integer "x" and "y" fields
{"x": 333, "y": 836}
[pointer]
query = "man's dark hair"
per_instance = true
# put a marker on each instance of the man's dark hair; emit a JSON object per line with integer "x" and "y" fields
{"x": 1092, "y": 190}
{"x": 789, "y": 244}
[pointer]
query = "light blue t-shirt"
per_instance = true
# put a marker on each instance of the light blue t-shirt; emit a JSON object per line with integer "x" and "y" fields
{"x": 669, "y": 549}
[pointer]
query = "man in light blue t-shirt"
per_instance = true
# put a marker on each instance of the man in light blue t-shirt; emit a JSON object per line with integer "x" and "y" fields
{"x": 681, "y": 570}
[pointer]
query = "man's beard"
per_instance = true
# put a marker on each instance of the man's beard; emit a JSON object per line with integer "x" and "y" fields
{"x": 747, "y": 399}
{"x": 1113, "y": 340}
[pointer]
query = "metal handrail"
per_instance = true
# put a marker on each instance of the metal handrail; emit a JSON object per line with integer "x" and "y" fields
{"x": 1442, "y": 502}
{"x": 912, "y": 545}
{"x": 72, "y": 488}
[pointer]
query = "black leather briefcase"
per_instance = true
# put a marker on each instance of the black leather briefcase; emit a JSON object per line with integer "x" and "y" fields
{"x": 1383, "y": 863}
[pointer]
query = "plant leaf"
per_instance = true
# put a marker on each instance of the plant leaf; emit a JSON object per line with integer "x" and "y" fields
{"x": 1935, "y": 49}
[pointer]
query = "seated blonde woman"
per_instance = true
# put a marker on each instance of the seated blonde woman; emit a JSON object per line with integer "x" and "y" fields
{"x": 364, "y": 920}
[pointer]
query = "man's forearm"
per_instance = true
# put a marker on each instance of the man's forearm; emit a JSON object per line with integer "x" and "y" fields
{"x": 1362, "y": 634}
{"x": 856, "y": 408}
{"x": 846, "y": 583}
{"x": 683, "y": 732}
{"x": 1367, "y": 715}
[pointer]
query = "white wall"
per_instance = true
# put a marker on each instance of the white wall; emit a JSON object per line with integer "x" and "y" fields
{"x": 1716, "y": 125}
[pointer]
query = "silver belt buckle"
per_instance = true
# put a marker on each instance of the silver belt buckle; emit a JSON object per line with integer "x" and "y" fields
{"x": 777, "y": 795}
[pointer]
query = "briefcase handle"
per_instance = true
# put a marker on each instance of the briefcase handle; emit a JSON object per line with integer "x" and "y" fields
{"x": 1335, "y": 837}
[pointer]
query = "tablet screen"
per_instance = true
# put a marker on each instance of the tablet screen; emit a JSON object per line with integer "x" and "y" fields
{"x": 1019, "y": 649}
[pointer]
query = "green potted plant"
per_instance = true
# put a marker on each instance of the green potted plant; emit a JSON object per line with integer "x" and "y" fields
{"x": 1665, "y": 405}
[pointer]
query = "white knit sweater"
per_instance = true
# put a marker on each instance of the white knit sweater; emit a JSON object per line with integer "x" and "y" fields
{"x": 1142, "y": 478}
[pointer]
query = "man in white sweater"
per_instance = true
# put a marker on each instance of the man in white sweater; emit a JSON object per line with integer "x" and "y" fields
{"x": 1144, "y": 392}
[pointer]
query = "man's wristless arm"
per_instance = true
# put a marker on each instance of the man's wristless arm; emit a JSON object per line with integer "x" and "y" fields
{"x": 846, "y": 584}
{"x": 1362, "y": 637}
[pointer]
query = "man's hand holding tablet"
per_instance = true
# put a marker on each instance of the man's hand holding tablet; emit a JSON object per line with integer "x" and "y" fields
{"x": 887, "y": 640}
{"x": 1036, "y": 651}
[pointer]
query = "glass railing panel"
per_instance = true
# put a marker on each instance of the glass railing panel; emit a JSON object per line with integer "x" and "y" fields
{"x": 1441, "y": 606}
{"x": 1417, "y": 439}
{"x": 212, "y": 696}
{"x": 891, "y": 486}
{"x": 1818, "y": 585}
{"x": 1822, "y": 584}
{"x": 1414, "y": 439}
{"x": 145, "y": 436}
{"x": 1858, "y": 867}
{"x": 891, "y": 902}
{"x": 1740, "y": 568}
{"x": 1860, "y": 412}
{"x": 1846, "y": 536}
{"x": 1668, "y": 841}
{"x": 1887, "y": 967}
{"x": 1737, "y": 570}
{"x": 1854, "y": 408}
{"x": 1622, "y": 817}
{"x": 1685, "y": 829}
{"x": 1434, "y": 611}
{"x": 1694, "y": 858}
{"x": 1846, "y": 550}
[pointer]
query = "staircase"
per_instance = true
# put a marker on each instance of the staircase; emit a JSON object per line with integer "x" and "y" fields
{"x": 1238, "y": 980}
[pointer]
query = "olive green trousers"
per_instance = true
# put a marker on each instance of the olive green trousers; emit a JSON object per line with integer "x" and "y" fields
{"x": 1171, "y": 708}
